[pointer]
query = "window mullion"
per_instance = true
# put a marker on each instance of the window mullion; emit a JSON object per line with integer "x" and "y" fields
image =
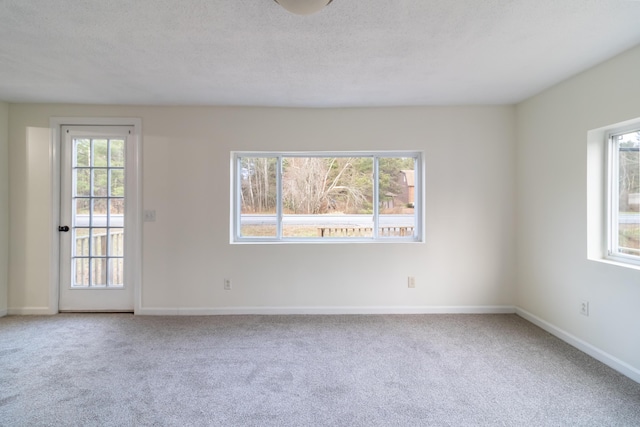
{"x": 376, "y": 197}
{"x": 237, "y": 197}
{"x": 279, "y": 198}
{"x": 614, "y": 191}
{"x": 418, "y": 202}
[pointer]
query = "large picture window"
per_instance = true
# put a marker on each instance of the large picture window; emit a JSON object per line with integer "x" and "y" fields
{"x": 624, "y": 195}
{"x": 323, "y": 197}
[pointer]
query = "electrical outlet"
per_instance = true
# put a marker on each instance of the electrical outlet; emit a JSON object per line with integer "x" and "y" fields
{"x": 227, "y": 284}
{"x": 411, "y": 282}
{"x": 584, "y": 308}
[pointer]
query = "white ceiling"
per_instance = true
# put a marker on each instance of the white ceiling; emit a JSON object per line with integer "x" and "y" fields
{"x": 352, "y": 53}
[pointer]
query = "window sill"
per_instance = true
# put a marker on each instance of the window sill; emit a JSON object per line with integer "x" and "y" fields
{"x": 617, "y": 262}
{"x": 322, "y": 241}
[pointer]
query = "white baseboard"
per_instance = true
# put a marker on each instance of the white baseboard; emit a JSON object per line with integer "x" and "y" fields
{"x": 598, "y": 354}
{"x": 175, "y": 311}
{"x": 3, "y": 313}
{"x": 35, "y": 311}
{"x": 156, "y": 311}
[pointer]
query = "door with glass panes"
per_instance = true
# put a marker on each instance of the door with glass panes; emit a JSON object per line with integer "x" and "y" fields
{"x": 93, "y": 209}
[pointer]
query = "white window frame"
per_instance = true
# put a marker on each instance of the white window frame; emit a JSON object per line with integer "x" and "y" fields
{"x": 416, "y": 237}
{"x": 612, "y": 196}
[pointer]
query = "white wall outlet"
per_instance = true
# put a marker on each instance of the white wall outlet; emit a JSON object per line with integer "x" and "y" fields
{"x": 411, "y": 282}
{"x": 149, "y": 215}
{"x": 227, "y": 284}
{"x": 584, "y": 308}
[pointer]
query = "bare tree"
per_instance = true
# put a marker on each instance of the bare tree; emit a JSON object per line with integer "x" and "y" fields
{"x": 629, "y": 171}
{"x": 258, "y": 184}
{"x": 314, "y": 185}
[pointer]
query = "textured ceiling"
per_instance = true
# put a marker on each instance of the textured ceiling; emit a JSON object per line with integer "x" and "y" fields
{"x": 352, "y": 53}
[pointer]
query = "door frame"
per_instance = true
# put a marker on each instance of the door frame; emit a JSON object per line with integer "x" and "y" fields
{"x": 133, "y": 273}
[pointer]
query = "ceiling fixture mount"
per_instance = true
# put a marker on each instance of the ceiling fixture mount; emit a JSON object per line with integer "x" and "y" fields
{"x": 303, "y": 7}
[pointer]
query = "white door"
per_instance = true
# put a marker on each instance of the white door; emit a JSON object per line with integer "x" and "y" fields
{"x": 95, "y": 248}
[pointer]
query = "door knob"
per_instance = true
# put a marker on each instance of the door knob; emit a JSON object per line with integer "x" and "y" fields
{"x": 64, "y": 228}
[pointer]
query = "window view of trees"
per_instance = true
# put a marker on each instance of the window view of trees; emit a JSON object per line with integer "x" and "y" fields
{"x": 628, "y": 147}
{"x": 104, "y": 163}
{"x": 317, "y": 185}
{"x": 258, "y": 184}
{"x": 326, "y": 196}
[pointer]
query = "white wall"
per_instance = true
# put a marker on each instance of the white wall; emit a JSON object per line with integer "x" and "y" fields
{"x": 4, "y": 206}
{"x": 554, "y": 274}
{"x": 467, "y": 260}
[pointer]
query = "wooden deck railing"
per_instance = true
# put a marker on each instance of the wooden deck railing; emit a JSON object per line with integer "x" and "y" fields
{"x": 100, "y": 266}
{"x": 351, "y": 231}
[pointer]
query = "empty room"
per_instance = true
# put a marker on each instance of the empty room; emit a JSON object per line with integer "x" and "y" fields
{"x": 320, "y": 213}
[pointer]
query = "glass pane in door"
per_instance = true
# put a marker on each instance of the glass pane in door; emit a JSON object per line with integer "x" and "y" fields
{"x": 98, "y": 212}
